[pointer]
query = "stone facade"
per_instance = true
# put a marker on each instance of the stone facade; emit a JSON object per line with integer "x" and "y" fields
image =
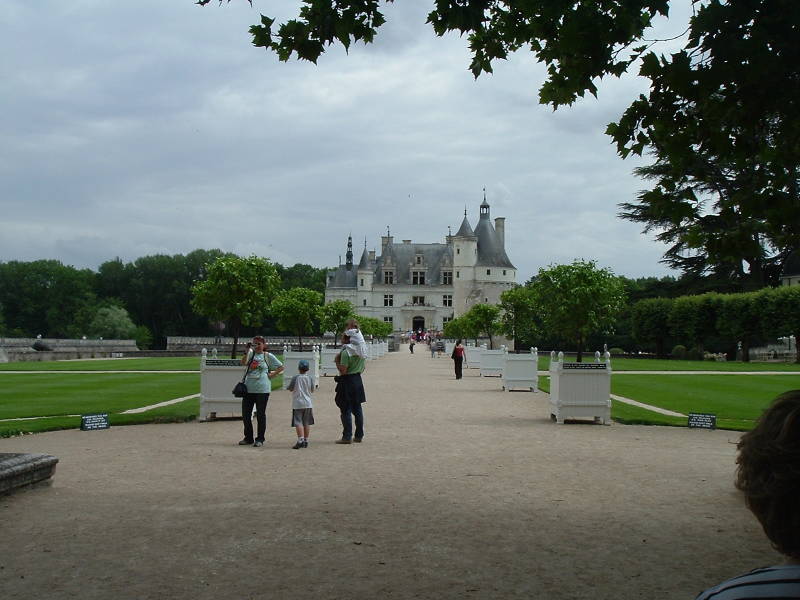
{"x": 422, "y": 286}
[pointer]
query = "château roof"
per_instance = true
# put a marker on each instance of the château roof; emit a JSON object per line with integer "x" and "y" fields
{"x": 465, "y": 230}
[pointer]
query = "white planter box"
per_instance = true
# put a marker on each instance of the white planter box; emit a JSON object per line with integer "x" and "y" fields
{"x": 521, "y": 371}
{"x": 327, "y": 364}
{"x": 292, "y": 359}
{"x": 492, "y": 362}
{"x": 218, "y": 376}
{"x": 580, "y": 390}
{"x": 472, "y": 356}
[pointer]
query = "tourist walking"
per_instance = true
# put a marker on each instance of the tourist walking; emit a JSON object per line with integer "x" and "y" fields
{"x": 458, "y": 358}
{"x": 350, "y": 394}
{"x": 302, "y": 386}
{"x": 263, "y": 366}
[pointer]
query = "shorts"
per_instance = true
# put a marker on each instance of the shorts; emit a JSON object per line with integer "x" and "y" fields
{"x": 302, "y": 417}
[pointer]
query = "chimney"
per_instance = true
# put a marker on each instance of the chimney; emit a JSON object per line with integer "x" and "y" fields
{"x": 500, "y": 228}
{"x": 406, "y": 241}
{"x": 371, "y": 255}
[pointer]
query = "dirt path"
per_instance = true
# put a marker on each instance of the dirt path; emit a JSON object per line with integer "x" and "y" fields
{"x": 460, "y": 490}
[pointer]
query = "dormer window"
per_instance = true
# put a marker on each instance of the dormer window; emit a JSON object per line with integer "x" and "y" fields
{"x": 419, "y": 259}
{"x": 388, "y": 277}
{"x": 418, "y": 278}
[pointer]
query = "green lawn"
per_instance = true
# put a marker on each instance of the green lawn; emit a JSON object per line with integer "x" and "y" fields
{"x": 57, "y": 392}
{"x": 190, "y": 363}
{"x": 737, "y": 400}
{"x": 651, "y": 364}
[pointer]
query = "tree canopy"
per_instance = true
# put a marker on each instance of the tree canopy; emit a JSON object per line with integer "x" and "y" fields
{"x": 721, "y": 118}
{"x": 238, "y": 290}
{"x": 577, "y": 299}
{"x": 297, "y": 311}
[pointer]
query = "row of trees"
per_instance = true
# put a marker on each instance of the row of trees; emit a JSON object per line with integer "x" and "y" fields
{"x": 246, "y": 292}
{"x": 565, "y": 303}
{"x": 718, "y": 322}
{"x": 147, "y": 299}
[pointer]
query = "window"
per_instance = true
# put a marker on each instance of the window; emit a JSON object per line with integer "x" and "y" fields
{"x": 446, "y": 320}
{"x": 447, "y": 300}
{"x": 364, "y": 301}
{"x": 447, "y": 277}
{"x": 388, "y": 300}
{"x": 418, "y": 278}
{"x": 458, "y": 250}
{"x": 362, "y": 283}
{"x": 504, "y": 271}
{"x": 388, "y": 277}
{"x": 417, "y": 300}
{"x": 419, "y": 259}
{"x": 388, "y": 319}
{"x": 488, "y": 271}
{"x": 458, "y": 274}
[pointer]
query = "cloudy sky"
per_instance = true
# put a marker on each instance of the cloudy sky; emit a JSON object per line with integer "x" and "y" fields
{"x": 152, "y": 126}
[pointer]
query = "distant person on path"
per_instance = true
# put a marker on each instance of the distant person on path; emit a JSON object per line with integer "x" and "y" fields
{"x": 769, "y": 476}
{"x": 302, "y": 386}
{"x": 350, "y": 393}
{"x": 458, "y": 358}
{"x": 263, "y": 367}
{"x": 357, "y": 343}
{"x": 432, "y": 345}
{"x": 411, "y": 345}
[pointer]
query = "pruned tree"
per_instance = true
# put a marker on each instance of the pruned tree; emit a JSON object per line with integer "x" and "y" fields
{"x": 237, "y": 290}
{"x": 297, "y": 311}
{"x": 578, "y": 299}
{"x": 334, "y": 315}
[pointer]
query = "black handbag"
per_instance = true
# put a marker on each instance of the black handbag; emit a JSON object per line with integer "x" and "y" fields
{"x": 240, "y": 389}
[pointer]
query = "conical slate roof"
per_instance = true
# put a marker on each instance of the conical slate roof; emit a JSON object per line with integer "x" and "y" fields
{"x": 490, "y": 249}
{"x": 465, "y": 230}
{"x": 363, "y": 264}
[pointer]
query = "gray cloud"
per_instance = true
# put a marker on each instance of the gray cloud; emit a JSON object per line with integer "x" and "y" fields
{"x": 152, "y": 127}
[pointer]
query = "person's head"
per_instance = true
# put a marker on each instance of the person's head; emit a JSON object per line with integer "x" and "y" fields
{"x": 352, "y": 324}
{"x": 302, "y": 366}
{"x": 769, "y": 472}
{"x": 259, "y": 344}
{"x": 458, "y": 342}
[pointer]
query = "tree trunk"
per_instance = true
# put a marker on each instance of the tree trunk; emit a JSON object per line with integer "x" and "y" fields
{"x": 300, "y": 340}
{"x": 746, "y": 351}
{"x": 580, "y": 350}
{"x": 235, "y": 326}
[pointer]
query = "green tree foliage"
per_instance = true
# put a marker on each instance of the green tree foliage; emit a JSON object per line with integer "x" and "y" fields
{"x": 302, "y": 276}
{"x": 693, "y": 320}
{"x": 112, "y": 322}
{"x": 739, "y": 318}
{"x": 297, "y": 311}
{"x": 578, "y": 299}
{"x": 237, "y": 290}
{"x": 45, "y": 297}
{"x": 721, "y": 117}
{"x": 518, "y": 319}
{"x": 457, "y": 329}
{"x": 334, "y": 315}
{"x": 650, "y": 323}
{"x": 374, "y": 327}
{"x": 781, "y": 313}
{"x": 484, "y": 319}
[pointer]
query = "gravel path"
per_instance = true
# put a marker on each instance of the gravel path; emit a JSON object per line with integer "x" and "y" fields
{"x": 460, "y": 490}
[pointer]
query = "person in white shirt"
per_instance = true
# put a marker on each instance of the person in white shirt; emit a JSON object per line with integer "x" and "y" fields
{"x": 357, "y": 345}
{"x": 302, "y": 386}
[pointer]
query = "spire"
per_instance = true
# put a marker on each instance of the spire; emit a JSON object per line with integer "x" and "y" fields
{"x": 349, "y": 255}
{"x": 484, "y": 207}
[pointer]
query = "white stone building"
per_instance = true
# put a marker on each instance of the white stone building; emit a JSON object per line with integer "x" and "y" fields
{"x": 422, "y": 286}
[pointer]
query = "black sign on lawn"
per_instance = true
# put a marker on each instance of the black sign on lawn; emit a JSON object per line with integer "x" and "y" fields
{"x": 703, "y": 420}
{"x": 585, "y": 366}
{"x": 94, "y": 421}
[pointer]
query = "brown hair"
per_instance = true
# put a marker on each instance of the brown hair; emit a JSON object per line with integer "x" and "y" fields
{"x": 769, "y": 472}
{"x": 352, "y": 324}
{"x": 259, "y": 338}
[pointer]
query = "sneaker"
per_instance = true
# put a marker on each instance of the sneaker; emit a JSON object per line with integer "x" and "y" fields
{"x": 258, "y": 444}
{"x": 298, "y": 445}
{"x": 245, "y": 442}
{"x": 343, "y": 441}
{"x": 305, "y": 444}
{"x": 357, "y": 440}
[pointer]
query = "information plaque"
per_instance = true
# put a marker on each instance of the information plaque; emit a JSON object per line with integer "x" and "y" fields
{"x": 94, "y": 421}
{"x": 702, "y": 420}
